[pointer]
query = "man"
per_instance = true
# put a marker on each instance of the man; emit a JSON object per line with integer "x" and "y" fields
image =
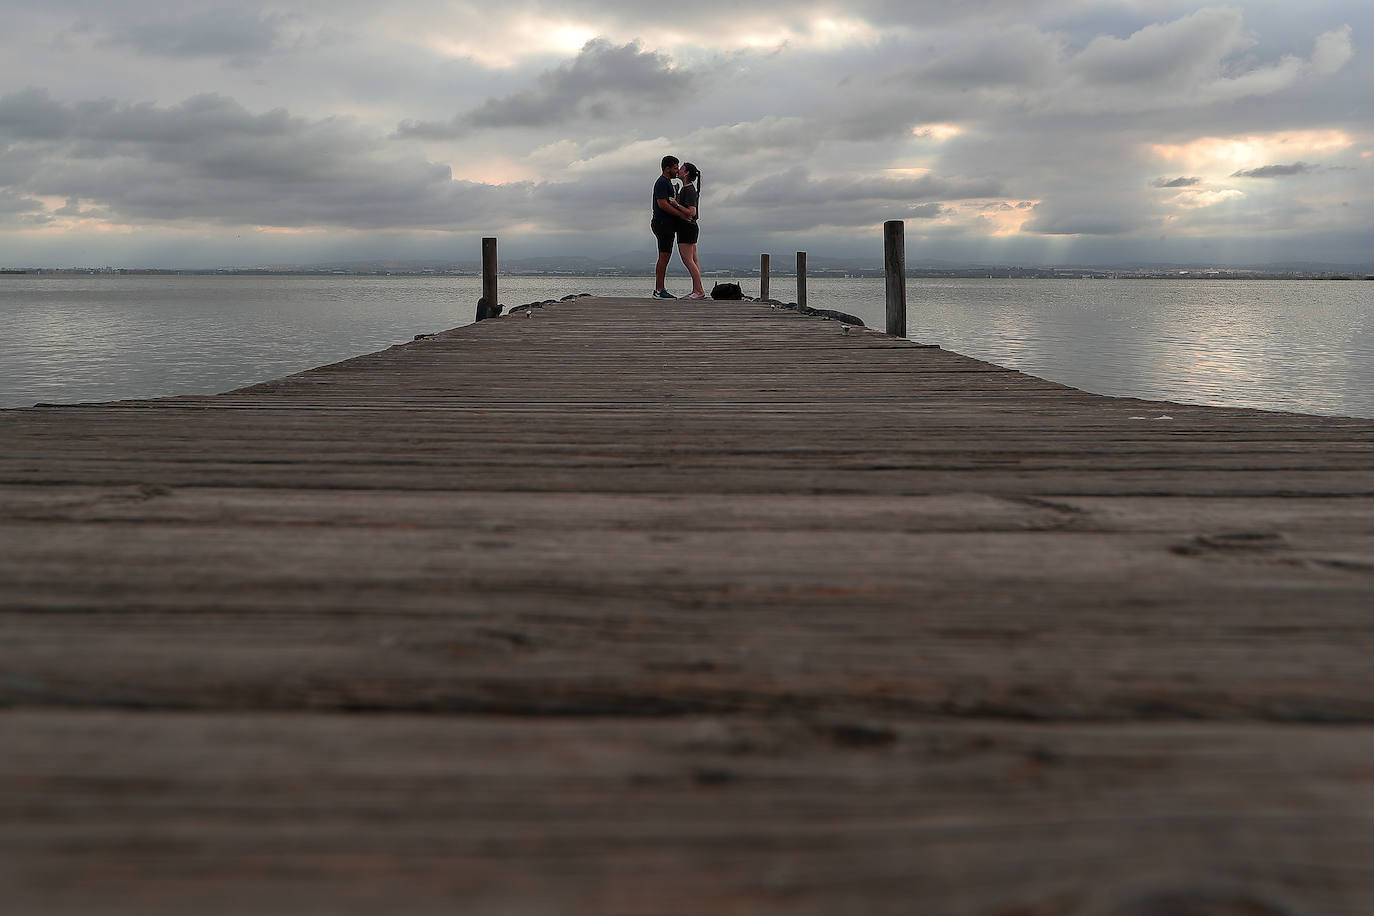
{"x": 664, "y": 223}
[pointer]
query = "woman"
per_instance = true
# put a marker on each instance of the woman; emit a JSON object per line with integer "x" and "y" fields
{"x": 688, "y": 198}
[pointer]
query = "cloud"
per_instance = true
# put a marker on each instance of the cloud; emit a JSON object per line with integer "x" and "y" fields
{"x": 1116, "y": 120}
{"x": 717, "y": 16}
{"x": 32, "y": 114}
{"x": 1195, "y": 200}
{"x": 1275, "y": 171}
{"x": 1092, "y": 220}
{"x": 1332, "y": 51}
{"x": 210, "y": 160}
{"x": 794, "y": 201}
{"x": 12, "y": 204}
{"x": 1176, "y": 53}
{"x": 793, "y": 189}
{"x": 242, "y": 36}
{"x": 602, "y": 83}
{"x": 1017, "y": 56}
{"x": 73, "y": 208}
{"x": 763, "y": 136}
{"x": 1201, "y": 59}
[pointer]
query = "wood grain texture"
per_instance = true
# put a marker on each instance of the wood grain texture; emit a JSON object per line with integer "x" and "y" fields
{"x": 670, "y": 607}
{"x": 289, "y": 813}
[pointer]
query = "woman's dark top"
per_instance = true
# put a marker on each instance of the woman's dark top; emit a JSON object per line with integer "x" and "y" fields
{"x": 687, "y": 230}
{"x": 687, "y": 196}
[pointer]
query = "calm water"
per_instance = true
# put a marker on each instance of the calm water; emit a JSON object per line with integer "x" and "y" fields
{"x": 1278, "y": 345}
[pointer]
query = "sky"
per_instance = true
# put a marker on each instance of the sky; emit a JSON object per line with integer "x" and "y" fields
{"x": 139, "y": 133}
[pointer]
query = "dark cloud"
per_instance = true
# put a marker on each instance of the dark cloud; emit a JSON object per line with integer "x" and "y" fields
{"x": 1175, "y": 182}
{"x": 1191, "y": 62}
{"x": 100, "y": 125}
{"x": 798, "y": 202}
{"x": 1275, "y": 171}
{"x": 603, "y": 82}
{"x": 1182, "y": 50}
{"x": 798, "y": 188}
{"x": 12, "y": 203}
{"x": 1076, "y": 217}
{"x": 209, "y": 159}
{"x": 770, "y": 134}
{"x": 1019, "y": 57}
{"x": 33, "y": 115}
{"x": 241, "y": 36}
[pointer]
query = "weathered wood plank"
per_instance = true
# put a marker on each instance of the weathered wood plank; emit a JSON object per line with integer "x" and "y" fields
{"x": 175, "y": 813}
{"x": 968, "y": 607}
{"x": 713, "y": 609}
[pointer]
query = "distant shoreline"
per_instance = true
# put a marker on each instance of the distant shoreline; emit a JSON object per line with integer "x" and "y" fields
{"x": 816, "y": 273}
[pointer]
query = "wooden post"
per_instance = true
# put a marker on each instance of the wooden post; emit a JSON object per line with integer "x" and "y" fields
{"x": 894, "y": 266}
{"x": 763, "y": 276}
{"x": 801, "y": 278}
{"x": 489, "y": 307}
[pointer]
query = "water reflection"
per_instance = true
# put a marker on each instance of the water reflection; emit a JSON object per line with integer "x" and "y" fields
{"x": 1279, "y": 345}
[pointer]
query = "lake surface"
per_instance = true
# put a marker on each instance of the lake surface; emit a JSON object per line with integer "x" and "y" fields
{"x": 1300, "y": 345}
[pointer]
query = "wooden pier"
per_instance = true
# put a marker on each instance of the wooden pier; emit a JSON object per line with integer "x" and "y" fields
{"x": 640, "y": 607}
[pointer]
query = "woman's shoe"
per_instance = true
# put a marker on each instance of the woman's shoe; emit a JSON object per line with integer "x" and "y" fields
{"x": 695, "y": 295}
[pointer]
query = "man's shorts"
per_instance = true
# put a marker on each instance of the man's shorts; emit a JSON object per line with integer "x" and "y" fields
{"x": 687, "y": 233}
{"x": 664, "y": 231}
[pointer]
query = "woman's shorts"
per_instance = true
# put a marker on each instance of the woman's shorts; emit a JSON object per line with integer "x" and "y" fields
{"x": 687, "y": 233}
{"x": 663, "y": 231}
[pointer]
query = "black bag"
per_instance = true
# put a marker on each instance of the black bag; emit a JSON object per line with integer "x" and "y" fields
{"x": 727, "y": 291}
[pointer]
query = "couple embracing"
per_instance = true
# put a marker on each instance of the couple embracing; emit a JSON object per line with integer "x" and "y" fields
{"x": 675, "y": 217}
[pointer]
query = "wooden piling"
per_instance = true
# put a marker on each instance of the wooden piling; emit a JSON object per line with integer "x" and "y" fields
{"x": 763, "y": 276}
{"x": 489, "y": 280}
{"x": 894, "y": 266}
{"x": 801, "y": 278}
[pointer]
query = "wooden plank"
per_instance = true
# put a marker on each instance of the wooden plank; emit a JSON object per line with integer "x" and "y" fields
{"x": 949, "y": 604}
{"x": 710, "y": 608}
{"x": 178, "y": 813}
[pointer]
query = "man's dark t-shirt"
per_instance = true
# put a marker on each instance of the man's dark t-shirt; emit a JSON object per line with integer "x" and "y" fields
{"x": 663, "y": 188}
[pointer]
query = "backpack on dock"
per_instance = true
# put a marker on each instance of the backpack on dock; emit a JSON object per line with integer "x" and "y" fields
{"x": 727, "y": 291}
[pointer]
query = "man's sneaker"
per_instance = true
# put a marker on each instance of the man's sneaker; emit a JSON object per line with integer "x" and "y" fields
{"x": 663, "y": 294}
